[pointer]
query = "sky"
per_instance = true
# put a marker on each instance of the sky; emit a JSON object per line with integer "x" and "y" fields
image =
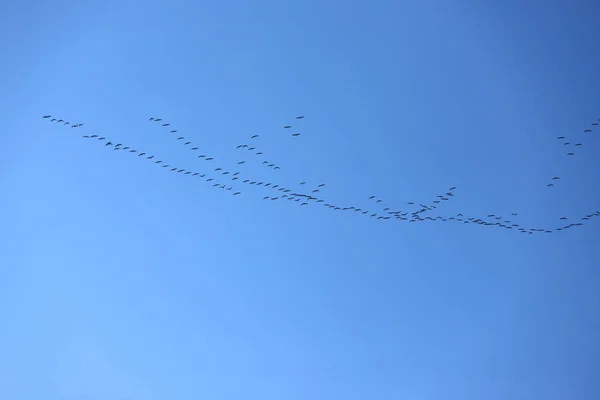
{"x": 122, "y": 280}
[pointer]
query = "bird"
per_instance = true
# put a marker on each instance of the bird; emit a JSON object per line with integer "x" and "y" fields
{"x": 241, "y": 162}
{"x": 158, "y": 119}
{"x": 321, "y": 185}
{"x": 180, "y": 138}
{"x": 550, "y": 185}
{"x": 46, "y": 116}
{"x": 166, "y": 124}
{"x": 236, "y": 193}
{"x": 372, "y": 197}
{"x": 577, "y": 144}
{"x": 151, "y": 119}
{"x": 588, "y": 130}
{"x": 93, "y": 136}
{"x": 287, "y": 127}
{"x": 295, "y": 134}
{"x": 300, "y": 117}
{"x": 108, "y": 144}
{"x": 186, "y": 143}
{"x": 560, "y": 137}
{"x": 173, "y": 131}
{"x": 218, "y": 169}
{"x": 254, "y": 137}
{"x": 570, "y": 154}
{"x": 194, "y": 148}
{"x": 556, "y": 178}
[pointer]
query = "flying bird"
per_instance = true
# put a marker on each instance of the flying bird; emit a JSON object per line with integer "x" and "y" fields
{"x": 287, "y": 127}
{"x": 295, "y": 134}
{"x": 253, "y": 137}
{"x": 300, "y": 117}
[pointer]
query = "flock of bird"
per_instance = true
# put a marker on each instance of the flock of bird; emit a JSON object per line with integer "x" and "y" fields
{"x": 226, "y": 178}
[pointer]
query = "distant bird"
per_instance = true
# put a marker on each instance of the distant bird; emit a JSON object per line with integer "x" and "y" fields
{"x": 240, "y": 146}
{"x": 151, "y": 119}
{"x": 158, "y": 119}
{"x": 150, "y": 157}
{"x": 46, "y": 116}
{"x": 236, "y": 193}
{"x": 560, "y": 137}
{"x": 556, "y": 178}
{"x": 550, "y": 185}
{"x": 209, "y": 158}
{"x": 253, "y": 137}
{"x": 295, "y": 134}
{"x": 276, "y": 168}
{"x": 570, "y": 154}
{"x": 300, "y": 117}
{"x": 180, "y": 138}
{"x": 303, "y": 183}
{"x": 166, "y": 124}
{"x": 241, "y": 162}
{"x": 577, "y": 144}
{"x": 588, "y": 130}
{"x": 194, "y": 148}
{"x": 108, "y": 144}
{"x": 186, "y": 143}
{"x": 372, "y": 197}
{"x": 93, "y": 136}
{"x": 287, "y": 127}
{"x": 173, "y": 131}
{"x": 218, "y": 169}
{"x": 259, "y": 153}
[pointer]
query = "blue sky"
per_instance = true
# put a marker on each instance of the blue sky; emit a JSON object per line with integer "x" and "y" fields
{"x": 122, "y": 280}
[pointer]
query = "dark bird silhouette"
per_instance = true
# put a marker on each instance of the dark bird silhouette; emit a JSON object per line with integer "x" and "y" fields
{"x": 556, "y": 178}
{"x": 173, "y": 131}
{"x": 550, "y": 185}
{"x": 300, "y": 117}
{"x": 46, "y": 116}
{"x": 236, "y": 193}
{"x": 166, "y": 124}
{"x": 194, "y": 148}
{"x": 253, "y": 137}
{"x": 241, "y": 162}
{"x": 287, "y": 127}
{"x": 560, "y": 137}
{"x": 295, "y": 134}
{"x": 186, "y": 143}
{"x": 577, "y": 144}
{"x": 570, "y": 154}
{"x": 108, "y": 144}
{"x": 371, "y": 197}
{"x": 180, "y": 138}
{"x": 588, "y": 130}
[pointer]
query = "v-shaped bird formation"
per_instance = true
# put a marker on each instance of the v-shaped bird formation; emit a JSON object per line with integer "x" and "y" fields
{"x": 221, "y": 177}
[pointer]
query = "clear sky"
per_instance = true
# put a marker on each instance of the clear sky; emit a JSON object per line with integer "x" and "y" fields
{"x": 120, "y": 279}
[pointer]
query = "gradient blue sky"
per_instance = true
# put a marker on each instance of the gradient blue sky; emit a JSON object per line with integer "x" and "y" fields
{"x": 120, "y": 280}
